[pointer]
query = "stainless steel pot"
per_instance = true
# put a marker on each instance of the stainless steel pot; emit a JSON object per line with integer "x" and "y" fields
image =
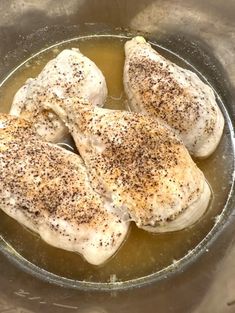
{"x": 204, "y": 33}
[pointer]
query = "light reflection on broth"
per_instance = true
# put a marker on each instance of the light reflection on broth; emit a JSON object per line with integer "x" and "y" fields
{"x": 143, "y": 253}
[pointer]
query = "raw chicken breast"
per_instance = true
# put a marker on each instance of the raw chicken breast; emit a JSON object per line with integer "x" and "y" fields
{"x": 69, "y": 74}
{"x": 160, "y": 88}
{"x": 46, "y": 188}
{"x": 139, "y": 164}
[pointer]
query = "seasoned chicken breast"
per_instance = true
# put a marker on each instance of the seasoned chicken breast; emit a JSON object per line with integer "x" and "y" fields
{"x": 69, "y": 74}
{"x": 160, "y": 88}
{"x": 139, "y": 164}
{"x": 46, "y": 188}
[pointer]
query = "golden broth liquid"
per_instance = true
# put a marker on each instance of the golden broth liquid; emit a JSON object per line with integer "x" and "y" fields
{"x": 143, "y": 253}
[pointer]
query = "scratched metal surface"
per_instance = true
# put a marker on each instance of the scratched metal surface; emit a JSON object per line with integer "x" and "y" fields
{"x": 26, "y": 26}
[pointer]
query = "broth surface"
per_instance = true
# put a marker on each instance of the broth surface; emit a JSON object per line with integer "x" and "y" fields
{"x": 142, "y": 253}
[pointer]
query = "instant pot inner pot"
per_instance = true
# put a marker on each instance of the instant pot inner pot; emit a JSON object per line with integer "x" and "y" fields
{"x": 144, "y": 257}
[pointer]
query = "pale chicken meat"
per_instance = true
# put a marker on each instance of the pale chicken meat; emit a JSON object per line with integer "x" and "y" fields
{"x": 160, "y": 88}
{"x": 46, "y": 188}
{"x": 69, "y": 74}
{"x": 139, "y": 164}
